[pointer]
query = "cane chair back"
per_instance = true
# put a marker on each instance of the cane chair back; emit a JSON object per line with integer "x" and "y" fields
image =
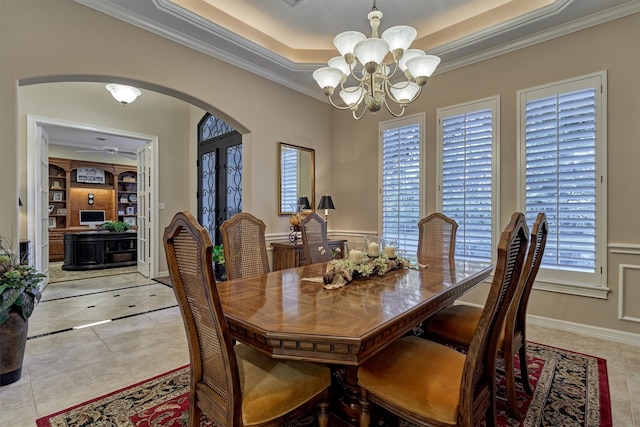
{"x": 244, "y": 245}
{"x": 314, "y": 236}
{"x": 436, "y": 237}
{"x": 456, "y": 325}
{"x": 232, "y": 385}
{"x": 428, "y": 383}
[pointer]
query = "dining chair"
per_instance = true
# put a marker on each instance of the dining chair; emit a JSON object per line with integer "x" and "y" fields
{"x": 456, "y": 325}
{"x": 428, "y": 383}
{"x": 232, "y": 385}
{"x": 436, "y": 237}
{"x": 244, "y": 246}
{"x": 314, "y": 236}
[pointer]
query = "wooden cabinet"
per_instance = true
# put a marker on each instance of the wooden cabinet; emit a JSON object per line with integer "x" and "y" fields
{"x": 56, "y": 246}
{"x": 96, "y": 250}
{"x": 58, "y": 196}
{"x": 76, "y": 185}
{"x": 289, "y": 255}
{"x": 127, "y": 197}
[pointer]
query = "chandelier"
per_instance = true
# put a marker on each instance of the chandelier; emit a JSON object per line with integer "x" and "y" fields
{"x": 378, "y": 83}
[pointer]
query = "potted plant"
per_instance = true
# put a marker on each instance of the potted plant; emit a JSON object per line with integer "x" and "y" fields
{"x": 115, "y": 226}
{"x": 19, "y": 293}
{"x": 218, "y": 263}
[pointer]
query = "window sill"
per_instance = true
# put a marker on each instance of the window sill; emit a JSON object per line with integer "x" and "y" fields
{"x": 572, "y": 289}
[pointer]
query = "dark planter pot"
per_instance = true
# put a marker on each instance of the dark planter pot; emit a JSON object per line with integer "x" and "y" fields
{"x": 13, "y": 336}
{"x": 220, "y": 273}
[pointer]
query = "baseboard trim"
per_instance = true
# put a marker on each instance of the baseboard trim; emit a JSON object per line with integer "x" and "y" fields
{"x": 579, "y": 328}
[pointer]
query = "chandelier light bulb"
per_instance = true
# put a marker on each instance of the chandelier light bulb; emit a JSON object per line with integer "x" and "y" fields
{"x": 408, "y": 54}
{"x": 352, "y": 95}
{"x": 328, "y": 78}
{"x": 346, "y": 42}
{"x": 399, "y": 37}
{"x": 405, "y": 94}
{"x": 423, "y": 66}
{"x": 339, "y": 63}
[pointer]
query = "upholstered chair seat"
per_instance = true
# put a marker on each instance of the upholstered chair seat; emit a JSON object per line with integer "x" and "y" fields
{"x": 457, "y": 324}
{"x": 419, "y": 375}
{"x": 271, "y": 387}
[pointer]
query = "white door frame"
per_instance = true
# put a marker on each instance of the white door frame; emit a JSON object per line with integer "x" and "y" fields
{"x": 33, "y": 161}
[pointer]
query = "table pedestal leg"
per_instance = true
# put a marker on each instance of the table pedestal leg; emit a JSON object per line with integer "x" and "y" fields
{"x": 349, "y": 402}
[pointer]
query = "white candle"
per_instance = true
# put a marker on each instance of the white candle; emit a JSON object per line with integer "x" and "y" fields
{"x": 373, "y": 249}
{"x": 390, "y": 251}
{"x": 355, "y": 256}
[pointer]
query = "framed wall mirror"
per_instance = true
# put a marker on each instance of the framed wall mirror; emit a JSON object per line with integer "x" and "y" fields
{"x": 296, "y": 177}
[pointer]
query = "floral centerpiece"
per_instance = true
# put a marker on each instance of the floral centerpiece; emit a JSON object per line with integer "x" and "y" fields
{"x": 19, "y": 284}
{"x": 342, "y": 271}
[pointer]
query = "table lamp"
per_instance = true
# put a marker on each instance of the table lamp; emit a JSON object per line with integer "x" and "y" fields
{"x": 326, "y": 203}
{"x": 303, "y": 203}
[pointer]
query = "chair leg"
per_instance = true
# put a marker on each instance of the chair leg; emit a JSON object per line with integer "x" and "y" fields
{"x": 365, "y": 416}
{"x": 195, "y": 414}
{"x": 490, "y": 413}
{"x": 524, "y": 369}
{"x": 509, "y": 369}
{"x": 323, "y": 405}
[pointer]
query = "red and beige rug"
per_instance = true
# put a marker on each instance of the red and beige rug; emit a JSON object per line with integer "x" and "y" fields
{"x": 570, "y": 389}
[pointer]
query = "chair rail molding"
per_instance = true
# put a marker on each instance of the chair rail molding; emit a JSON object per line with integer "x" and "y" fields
{"x": 624, "y": 248}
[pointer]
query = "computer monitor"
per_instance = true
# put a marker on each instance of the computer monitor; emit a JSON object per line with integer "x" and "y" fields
{"x": 92, "y": 218}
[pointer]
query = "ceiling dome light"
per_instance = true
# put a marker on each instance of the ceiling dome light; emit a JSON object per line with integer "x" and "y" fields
{"x": 123, "y": 93}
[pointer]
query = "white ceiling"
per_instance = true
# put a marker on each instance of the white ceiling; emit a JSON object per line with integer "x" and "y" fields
{"x": 287, "y": 43}
{"x": 88, "y": 139}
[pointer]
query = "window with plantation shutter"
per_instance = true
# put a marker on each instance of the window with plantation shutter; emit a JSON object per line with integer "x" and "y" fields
{"x": 289, "y": 178}
{"x": 400, "y": 186}
{"x": 467, "y": 146}
{"x": 562, "y": 148}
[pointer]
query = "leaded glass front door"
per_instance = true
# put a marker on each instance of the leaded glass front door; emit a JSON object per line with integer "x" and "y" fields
{"x": 219, "y": 174}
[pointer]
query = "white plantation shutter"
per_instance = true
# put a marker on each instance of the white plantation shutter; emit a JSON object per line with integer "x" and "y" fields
{"x": 467, "y": 146}
{"x": 561, "y": 128}
{"x": 400, "y": 182}
{"x": 289, "y": 179}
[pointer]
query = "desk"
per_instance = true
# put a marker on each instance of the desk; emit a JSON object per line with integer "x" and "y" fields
{"x": 289, "y": 318}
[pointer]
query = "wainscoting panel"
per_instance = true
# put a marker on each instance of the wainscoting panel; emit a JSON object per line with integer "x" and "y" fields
{"x": 629, "y": 291}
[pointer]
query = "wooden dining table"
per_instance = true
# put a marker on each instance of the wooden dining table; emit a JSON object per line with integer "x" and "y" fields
{"x": 289, "y": 315}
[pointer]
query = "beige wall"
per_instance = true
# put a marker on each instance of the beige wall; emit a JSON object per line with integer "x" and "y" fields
{"x": 41, "y": 40}
{"x": 61, "y": 40}
{"x": 592, "y": 50}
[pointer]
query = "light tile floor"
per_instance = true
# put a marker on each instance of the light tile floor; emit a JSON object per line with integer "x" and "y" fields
{"x": 62, "y": 369}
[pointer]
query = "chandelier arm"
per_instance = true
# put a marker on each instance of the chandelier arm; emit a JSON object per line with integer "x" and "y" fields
{"x": 391, "y": 111}
{"x": 339, "y": 107}
{"x": 395, "y": 68}
{"x": 355, "y": 116}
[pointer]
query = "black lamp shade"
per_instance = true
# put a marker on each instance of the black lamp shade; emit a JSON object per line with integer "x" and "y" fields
{"x": 326, "y": 203}
{"x": 20, "y": 202}
{"x": 304, "y": 201}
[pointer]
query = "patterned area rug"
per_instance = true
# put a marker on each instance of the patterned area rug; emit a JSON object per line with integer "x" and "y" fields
{"x": 570, "y": 389}
{"x": 57, "y": 274}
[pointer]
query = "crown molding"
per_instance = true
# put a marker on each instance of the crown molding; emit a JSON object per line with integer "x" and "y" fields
{"x": 166, "y": 19}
